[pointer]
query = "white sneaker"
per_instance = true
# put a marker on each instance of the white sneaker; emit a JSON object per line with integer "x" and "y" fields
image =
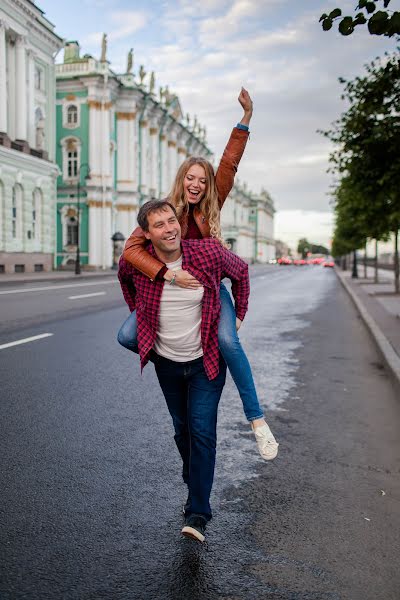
{"x": 267, "y": 444}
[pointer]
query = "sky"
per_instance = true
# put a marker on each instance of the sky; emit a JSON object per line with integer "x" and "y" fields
{"x": 205, "y": 50}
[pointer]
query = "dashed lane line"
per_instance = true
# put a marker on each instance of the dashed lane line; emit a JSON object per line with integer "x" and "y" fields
{"x": 25, "y": 340}
{"x": 56, "y": 287}
{"x": 87, "y": 295}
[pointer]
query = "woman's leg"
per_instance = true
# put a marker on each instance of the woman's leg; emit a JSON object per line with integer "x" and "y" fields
{"x": 239, "y": 367}
{"x": 235, "y": 357}
{"x": 127, "y": 335}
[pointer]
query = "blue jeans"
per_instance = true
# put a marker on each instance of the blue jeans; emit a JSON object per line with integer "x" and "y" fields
{"x": 192, "y": 401}
{"x": 230, "y": 347}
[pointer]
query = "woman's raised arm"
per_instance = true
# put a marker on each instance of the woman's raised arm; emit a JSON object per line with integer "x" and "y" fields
{"x": 227, "y": 168}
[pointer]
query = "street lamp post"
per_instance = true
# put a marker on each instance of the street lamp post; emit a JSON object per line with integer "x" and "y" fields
{"x": 78, "y": 255}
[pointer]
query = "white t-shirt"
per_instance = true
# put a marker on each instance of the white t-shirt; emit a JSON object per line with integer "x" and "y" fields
{"x": 179, "y": 334}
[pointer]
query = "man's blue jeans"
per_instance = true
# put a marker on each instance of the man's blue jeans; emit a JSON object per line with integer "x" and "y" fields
{"x": 230, "y": 347}
{"x": 192, "y": 401}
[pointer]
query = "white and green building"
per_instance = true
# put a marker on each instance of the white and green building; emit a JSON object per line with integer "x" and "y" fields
{"x": 28, "y": 171}
{"x": 118, "y": 145}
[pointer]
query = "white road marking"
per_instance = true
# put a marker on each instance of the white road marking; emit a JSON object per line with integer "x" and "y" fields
{"x": 87, "y": 295}
{"x": 56, "y": 287}
{"x": 26, "y": 340}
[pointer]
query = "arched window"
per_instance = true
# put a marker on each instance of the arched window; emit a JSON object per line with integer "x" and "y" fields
{"x": 71, "y": 150}
{"x": 72, "y": 115}
{"x": 72, "y": 231}
{"x": 16, "y": 212}
{"x": 36, "y": 225}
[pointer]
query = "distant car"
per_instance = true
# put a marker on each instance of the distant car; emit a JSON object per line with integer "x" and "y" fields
{"x": 328, "y": 263}
{"x": 284, "y": 260}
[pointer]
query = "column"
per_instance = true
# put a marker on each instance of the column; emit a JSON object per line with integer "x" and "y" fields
{"x": 164, "y": 166}
{"x": 154, "y": 161}
{"x": 144, "y": 157}
{"x": 171, "y": 161}
{"x": 31, "y": 100}
{"x": 94, "y": 145}
{"x": 11, "y": 89}
{"x": 3, "y": 80}
{"x": 21, "y": 132}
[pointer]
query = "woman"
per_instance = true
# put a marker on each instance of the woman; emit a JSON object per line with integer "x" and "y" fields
{"x": 198, "y": 196}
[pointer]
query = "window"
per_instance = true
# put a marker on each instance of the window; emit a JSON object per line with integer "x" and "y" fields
{"x": 38, "y": 78}
{"x": 72, "y": 231}
{"x": 72, "y": 159}
{"x": 36, "y": 214}
{"x": 71, "y": 152}
{"x": 16, "y": 212}
{"x": 72, "y": 115}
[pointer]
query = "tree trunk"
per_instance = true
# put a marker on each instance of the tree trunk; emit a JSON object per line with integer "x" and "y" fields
{"x": 354, "y": 273}
{"x": 376, "y": 262}
{"x": 365, "y": 261}
{"x": 396, "y": 261}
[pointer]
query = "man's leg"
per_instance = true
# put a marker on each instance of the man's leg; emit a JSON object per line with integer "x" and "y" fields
{"x": 175, "y": 389}
{"x": 204, "y": 396}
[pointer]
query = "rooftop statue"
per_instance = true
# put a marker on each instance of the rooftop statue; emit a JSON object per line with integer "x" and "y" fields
{"x": 152, "y": 84}
{"x": 142, "y": 74}
{"x": 129, "y": 64}
{"x": 103, "y": 57}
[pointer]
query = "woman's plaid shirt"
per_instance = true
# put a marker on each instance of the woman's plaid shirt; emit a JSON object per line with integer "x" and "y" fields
{"x": 209, "y": 262}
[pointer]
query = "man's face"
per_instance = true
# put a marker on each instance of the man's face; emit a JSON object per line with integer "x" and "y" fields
{"x": 164, "y": 231}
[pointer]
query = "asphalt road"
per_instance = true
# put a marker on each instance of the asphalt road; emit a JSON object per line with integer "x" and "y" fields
{"x": 90, "y": 486}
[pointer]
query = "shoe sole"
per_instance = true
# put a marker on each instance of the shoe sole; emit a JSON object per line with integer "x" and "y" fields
{"x": 193, "y": 534}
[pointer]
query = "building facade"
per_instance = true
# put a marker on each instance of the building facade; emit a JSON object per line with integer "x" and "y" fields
{"x": 247, "y": 222}
{"x": 28, "y": 171}
{"x": 118, "y": 145}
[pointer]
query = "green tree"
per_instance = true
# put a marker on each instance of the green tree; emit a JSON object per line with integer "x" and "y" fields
{"x": 379, "y": 22}
{"x": 367, "y": 154}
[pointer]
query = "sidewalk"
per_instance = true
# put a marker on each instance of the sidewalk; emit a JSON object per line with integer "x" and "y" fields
{"x": 7, "y": 279}
{"x": 379, "y": 307}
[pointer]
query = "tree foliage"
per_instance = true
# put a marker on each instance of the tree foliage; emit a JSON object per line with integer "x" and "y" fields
{"x": 366, "y": 158}
{"x": 304, "y": 247}
{"x": 379, "y": 22}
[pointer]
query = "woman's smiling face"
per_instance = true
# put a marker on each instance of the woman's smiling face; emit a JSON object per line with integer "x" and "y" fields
{"x": 195, "y": 184}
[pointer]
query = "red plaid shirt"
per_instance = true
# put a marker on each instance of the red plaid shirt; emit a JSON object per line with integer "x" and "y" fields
{"x": 209, "y": 262}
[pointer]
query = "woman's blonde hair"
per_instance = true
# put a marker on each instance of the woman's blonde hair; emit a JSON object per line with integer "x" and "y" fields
{"x": 208, "y": 205}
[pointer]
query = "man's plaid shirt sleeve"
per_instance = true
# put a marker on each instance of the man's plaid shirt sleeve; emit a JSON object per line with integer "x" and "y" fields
{"x": 237, "y": 271}
{"x": 125, "y": 276}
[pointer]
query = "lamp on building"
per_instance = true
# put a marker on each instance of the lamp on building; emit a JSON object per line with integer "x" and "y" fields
{"x": 78, "y": 256}
{"x": 118, "y": 244}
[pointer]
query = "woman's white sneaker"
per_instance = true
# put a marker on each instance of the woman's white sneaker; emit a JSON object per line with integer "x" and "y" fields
{"x": 267, "y": 444}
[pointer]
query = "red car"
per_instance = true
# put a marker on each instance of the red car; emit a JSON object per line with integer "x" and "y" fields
{"x": 328, "y": 263}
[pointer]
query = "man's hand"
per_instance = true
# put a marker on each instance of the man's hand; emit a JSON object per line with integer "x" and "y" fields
{"x": 238, "y": 324}
{"x": 183, "y": 279}
{"x": 246, "y": 102}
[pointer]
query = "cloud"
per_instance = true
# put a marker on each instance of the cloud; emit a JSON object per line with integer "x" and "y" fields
{"x": 127, "y": 22}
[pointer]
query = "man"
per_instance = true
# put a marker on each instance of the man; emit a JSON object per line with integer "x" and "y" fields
{"x": 178, "y": 331}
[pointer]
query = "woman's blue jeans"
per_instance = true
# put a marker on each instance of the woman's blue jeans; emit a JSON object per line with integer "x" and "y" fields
{"x": 230, "y": 347}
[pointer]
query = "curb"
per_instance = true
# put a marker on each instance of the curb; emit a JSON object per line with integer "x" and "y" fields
{"x": 56, "y": 278}
{"x": 390, "y": 356}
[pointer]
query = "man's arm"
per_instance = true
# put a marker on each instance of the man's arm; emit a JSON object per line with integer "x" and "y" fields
{"x": 237, "y": 271}
{"x": 126, "y": 282}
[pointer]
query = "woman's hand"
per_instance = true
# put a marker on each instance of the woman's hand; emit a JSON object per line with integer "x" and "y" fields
{"x": 238, "y": 324}
{"x": 183, "y": 279}
{"x": 247, "y": 104}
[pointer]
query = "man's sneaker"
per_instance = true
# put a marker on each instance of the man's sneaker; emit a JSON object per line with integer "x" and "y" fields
{"x": 195, "y": 527}
{"x": 267, "y": 444}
